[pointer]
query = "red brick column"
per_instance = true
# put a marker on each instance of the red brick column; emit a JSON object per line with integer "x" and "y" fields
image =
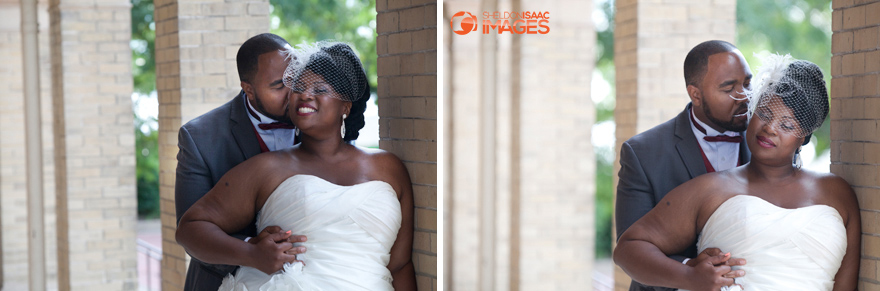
{"x": 407, "y": 49}
{"x": 855, "y": 118}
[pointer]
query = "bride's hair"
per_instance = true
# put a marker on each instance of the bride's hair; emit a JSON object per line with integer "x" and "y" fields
{"x": 340, "y": 67}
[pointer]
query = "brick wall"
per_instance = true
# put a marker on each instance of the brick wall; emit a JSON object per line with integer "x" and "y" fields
{"x": 524, "y": 220}
{"x": 196, "y": 44}
{"x": 651, "y": 40}
{"x": 13, "y": 192}
{"x": 93, "y": 145}
{"x": 407, "y": 69}
{"x": 855, "y": 118}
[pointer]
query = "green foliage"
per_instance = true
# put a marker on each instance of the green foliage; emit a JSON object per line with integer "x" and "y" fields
{"x": 147, "y": 157}
{"x": 350, "y": 21}
{"x": 143, "y": 36}
{"x": 605, "y": 113}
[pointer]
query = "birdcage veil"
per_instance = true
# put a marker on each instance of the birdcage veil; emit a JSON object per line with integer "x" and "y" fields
{"x": 336, "y": 62}
{"x": 790, "y": 94}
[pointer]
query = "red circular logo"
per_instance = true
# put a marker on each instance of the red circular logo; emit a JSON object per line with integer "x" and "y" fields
{"x": 468, "y": 23}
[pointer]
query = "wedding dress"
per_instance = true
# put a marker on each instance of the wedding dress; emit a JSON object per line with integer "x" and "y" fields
{"x": 785, "y": 249}
{"x": 350, "y": 232}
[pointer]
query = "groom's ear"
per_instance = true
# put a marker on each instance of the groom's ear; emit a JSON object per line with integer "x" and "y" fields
{"x": 696, "y": 95}
{"x": 248, "y": 89}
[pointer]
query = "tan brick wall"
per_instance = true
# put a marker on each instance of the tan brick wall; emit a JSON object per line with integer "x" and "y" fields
{"x": 539, "y": 225}
{"x": 855, "y": 118}
{"x": 196, "y": 44}
{"x": 407, "y": 99}
{"x": 94, "y": 145}
{"x": 651, "y": 40}
{"x": 13, "y": 192}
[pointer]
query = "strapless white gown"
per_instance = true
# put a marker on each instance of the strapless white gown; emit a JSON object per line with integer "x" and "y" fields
{"x": 785, "y": 249}
{"x": 350, "y": 232}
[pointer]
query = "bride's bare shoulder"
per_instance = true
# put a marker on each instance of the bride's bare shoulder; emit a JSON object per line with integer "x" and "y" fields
{"x": 834, "y": 189}
{"x": 385, "y": 166}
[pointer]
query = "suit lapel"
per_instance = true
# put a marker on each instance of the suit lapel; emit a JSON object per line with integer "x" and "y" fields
{"x": 687, "y": 146}
{"x": 242, "y": 129}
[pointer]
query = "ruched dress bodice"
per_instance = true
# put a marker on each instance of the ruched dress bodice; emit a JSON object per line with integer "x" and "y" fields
{"x": 350, "y": 232}
{"x": 785, "y": 249}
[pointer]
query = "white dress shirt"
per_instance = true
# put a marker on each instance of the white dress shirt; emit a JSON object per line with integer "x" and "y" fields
{"x": 722, "y": 155}
{"x": 275, "y": 139}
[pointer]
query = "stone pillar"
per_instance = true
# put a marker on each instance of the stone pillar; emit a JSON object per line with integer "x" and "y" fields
{"x": 651, "y": 40}
{"x": 541, "y": 229}
{"x": 196, "y": 44}
{"x": 13, "y": 192}
{"x": 407, "y": 100}
{"x": 94, "y": 144}
{"x": 855, "y": 119}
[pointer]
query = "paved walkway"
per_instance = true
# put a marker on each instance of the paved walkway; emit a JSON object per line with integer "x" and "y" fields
{"x": 149, "y": 231}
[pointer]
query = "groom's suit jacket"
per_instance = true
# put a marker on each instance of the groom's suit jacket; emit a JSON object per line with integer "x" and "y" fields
{"x": 210, "y": 145}
{"x": 654, "y": 162}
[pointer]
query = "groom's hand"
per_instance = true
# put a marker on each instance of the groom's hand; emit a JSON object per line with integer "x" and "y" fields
{"x": 271, "y": 251}
{"x": 277, "y": 229}
{"x": 709, "y": 272}
{"x": 711, "y": 252}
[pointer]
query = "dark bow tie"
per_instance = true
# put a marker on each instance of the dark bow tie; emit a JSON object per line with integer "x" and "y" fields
{"x": 724, "y": 138}
{"x": 275, "y": 125}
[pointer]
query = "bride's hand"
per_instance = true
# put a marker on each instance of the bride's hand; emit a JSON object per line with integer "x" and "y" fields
{"x": 708, "y": 272}
{"x": 270, "y": 252}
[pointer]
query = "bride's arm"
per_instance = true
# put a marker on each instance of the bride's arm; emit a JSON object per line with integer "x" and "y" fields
{"x": 401, "y": 265}
{"x": 228, "y": 207}
{"x": 848, "y": 275}
{"x": 670, "y": 228}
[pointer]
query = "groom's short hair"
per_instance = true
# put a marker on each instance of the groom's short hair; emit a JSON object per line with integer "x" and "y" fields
{"x": 250, "y": 51}
{"x": 697, "y": 60}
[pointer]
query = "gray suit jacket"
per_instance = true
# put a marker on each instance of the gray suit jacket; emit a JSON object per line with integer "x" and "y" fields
{"x": 210, "y": 145}
{"x": 654, "y": 162}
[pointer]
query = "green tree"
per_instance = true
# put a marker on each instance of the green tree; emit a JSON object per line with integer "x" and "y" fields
{"x": 143, "y": 35}
{"x": 147, "y": 158}
{"x": 350, "y": 21}
{"x": 604, "y": 114}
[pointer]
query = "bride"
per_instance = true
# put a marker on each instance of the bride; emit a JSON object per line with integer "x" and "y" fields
{"x": 355, "y": 205}
{"x": 796, "y": 229}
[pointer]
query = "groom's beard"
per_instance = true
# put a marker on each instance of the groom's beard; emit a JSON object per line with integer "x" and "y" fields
{"x": 262, "y": 109}
{"x": 731, "y": 124}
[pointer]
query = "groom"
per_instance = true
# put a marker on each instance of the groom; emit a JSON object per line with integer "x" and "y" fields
{"x": 255, "y": 121}
{"x": 707, "y": 136}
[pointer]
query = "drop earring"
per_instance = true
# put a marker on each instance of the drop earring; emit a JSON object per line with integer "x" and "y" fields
{"x": 343, "y": 125}
{"x": 798, "y": 162}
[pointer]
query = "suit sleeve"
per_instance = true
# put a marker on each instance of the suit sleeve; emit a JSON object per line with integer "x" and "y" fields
{"x": 193, "y": 175}
{"x": 635, "y": 195}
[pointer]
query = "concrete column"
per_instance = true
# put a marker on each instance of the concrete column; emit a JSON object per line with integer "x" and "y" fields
{"x": 541, "y": 230}
{"x": 94, "y": 145}
{"x": 855, "y": 118}
{"x": 407, "y": 89}
{"x": 14, "y": 247}
{"x": 651, "y": 40}
{"x": 196, "y": 44}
